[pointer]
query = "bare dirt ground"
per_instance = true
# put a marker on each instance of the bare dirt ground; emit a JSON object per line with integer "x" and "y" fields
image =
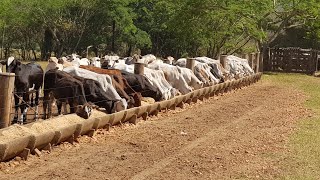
{"x": 241, "y": 135}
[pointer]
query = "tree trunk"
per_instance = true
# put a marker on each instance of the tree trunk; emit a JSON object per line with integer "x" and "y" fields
{"x": 34, "y": 54}
{"x": 129, "y": 51}
{"x": 113, "y": 36}
{"x": 2, "y": 42}
{"x": 47, "y": 45}
{"x": 265, "y": 55}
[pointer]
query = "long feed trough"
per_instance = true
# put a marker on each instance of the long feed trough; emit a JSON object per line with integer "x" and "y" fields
{"x": 20, "y": 141}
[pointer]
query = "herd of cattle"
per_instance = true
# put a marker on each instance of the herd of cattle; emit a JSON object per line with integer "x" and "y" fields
{"x": 110, "y": 82}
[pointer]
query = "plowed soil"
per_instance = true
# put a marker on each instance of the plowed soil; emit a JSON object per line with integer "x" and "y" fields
{"x": 240, "y": 135}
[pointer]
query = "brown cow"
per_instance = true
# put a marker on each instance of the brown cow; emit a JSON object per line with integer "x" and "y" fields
{"x": 120, "y": 84}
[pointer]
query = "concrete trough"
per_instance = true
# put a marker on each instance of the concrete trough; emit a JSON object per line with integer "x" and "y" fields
{"x": 153, "y": 109}
{"x": 143, "y": 112}
{"x": 102, "y": 122}
{"x": 208, "y": 90}
{"x": 196, "y": 95}
{"x": 233, "y": 84}
{"x": 173, "y": 103}
{"x": 189, "y": 97}
{"x": 42, "y": 135}
{"x": 180, "y": 99}
{"x": 219, "y": 88}
{"x": 86, "y": 127}
{"x": 164, "y": 104}
{"x": 117, "y": 117}
{"x": 131, "y": 115}
{"x": 13, "y": 141}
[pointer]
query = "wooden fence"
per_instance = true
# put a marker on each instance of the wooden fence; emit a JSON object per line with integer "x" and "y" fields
{"x": 292, "y": 60}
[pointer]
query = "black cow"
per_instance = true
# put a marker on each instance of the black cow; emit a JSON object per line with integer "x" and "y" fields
{"x": 92, "y": 92}
{"x": 64, "y": 88}
{"x": 141, "y": 84}
{"x": 29, "y": 79}
{"x": 96, "y": 95}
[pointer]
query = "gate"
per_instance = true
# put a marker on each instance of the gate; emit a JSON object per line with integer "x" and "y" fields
{"x": 293, "y": 60}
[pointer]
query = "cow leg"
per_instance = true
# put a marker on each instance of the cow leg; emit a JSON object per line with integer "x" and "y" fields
{"x": 31, "y": 101}
{"x": 36, "y": 113}
{"x": 65, "y": 110}
{"x": 16, "y": 107}
{"x": 23, "y": 117}
{"x": 45, "y": 104}
{"x": 59, "y": 105}
{"x": 24, "y": 108}
{"x": 72, "y": 105}
{"x": 49, "y": 105}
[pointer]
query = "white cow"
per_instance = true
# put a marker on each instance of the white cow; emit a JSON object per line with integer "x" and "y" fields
{"x": 147, "y": 59}
{"x": 111, "y": 59}
{"x": 95, "y": 61}
{"x": 84, "y": 62}
{"x": 190, "y": 78}
{"x": 201, "y": 70}
{"x": 104, "y": 80}
{"x": 172, "y": 75}
{"x": 238, "y": 67}
{"x": 53, "y": 64}
{"x": 217, "y": 70}
{"x": 65, "y": 63}
{"x": 155, "y": 77}
{"x": 77, "y": 61}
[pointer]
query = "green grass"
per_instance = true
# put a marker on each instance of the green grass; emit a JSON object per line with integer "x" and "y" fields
{"x": 303, "y": 162}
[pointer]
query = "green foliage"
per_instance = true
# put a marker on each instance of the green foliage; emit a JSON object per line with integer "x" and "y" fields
{"x": 162, "y": 27}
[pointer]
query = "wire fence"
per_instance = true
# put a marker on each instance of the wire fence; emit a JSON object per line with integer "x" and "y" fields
{"x": 41, "y": 100}
{"x": 30, "y": 100}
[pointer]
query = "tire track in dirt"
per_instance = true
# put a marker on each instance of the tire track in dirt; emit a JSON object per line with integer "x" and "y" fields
{"x": 221, "y": 132}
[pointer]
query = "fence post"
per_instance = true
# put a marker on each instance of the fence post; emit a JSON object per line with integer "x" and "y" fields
{"x": 257, "y": 62}
{"x": 190, "y": 63}
{"x": 269, "y": 60}
{"x": 223, "y": 60}
{"x": 251, "y": 60}
{"x": 317, "y": 60}
{"x": 6, "y": 95}
{"x": 139, "y": 68}
{"x": 261, "y": 62}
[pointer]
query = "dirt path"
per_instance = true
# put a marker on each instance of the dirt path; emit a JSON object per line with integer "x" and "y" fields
{"x": 239, "y": 135}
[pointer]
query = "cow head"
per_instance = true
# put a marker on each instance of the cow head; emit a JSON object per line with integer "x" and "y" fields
{"x": 84, "y": 111}
{"x": 12, "y": 65}
{"x": 118, "y": 106}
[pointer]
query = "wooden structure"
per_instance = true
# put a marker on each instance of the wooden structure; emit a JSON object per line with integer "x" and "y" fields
{"x": 6, "y": 95}
{"x": 292, "y": 60}
{"x": 223, "y": 60}
{"x": 139, "y": 68}
{"x": 190, "y": 63}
